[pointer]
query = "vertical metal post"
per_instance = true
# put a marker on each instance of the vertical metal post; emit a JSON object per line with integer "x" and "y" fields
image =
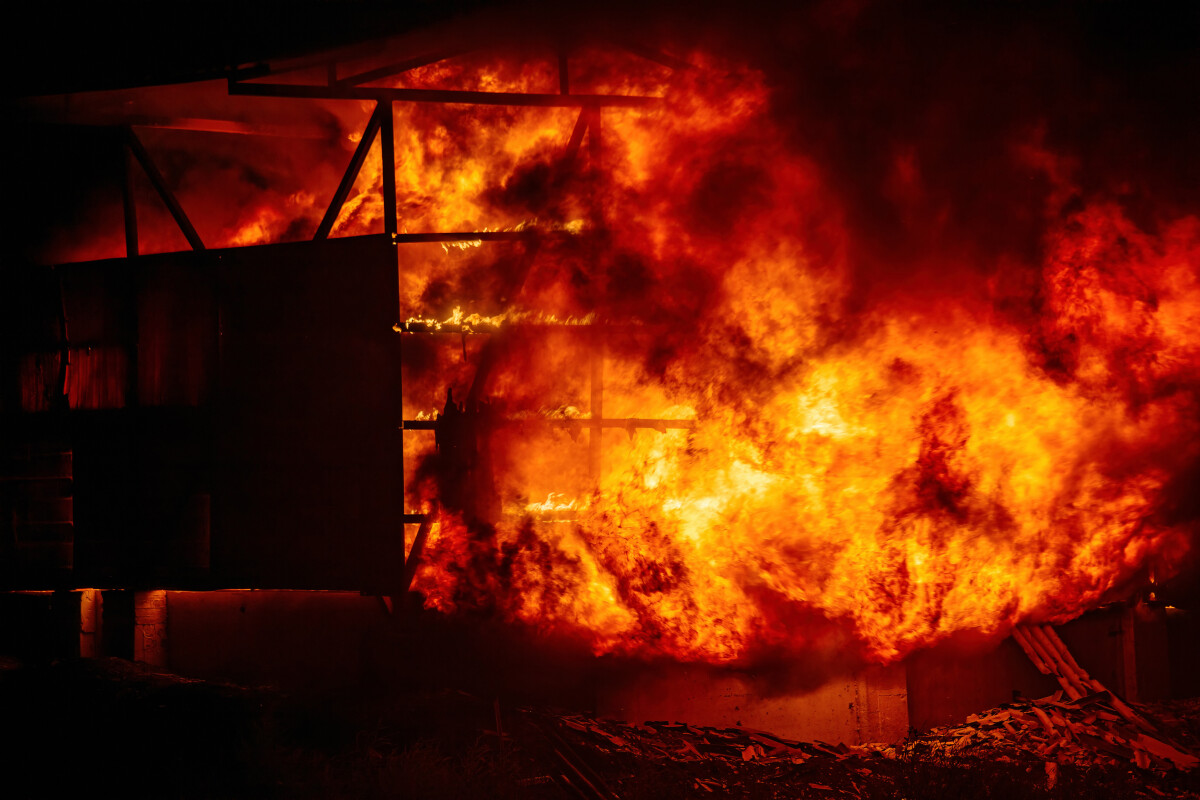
{"x": 387, "y": 157}
{"x": 132, "y": 269}
{"x": 596, "y": 434}
{"x": 131, "y": 230}
{"x": 404, "y": 557}
{"x": 596, "y": 154}
{"x": 387, "y": 151}
{"x": 133, "y": 283}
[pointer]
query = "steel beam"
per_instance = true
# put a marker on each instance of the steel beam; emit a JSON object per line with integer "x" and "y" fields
{"x": 581, "y": 126}
{"x": 128, "y": 202}
{"x": 387, "y": 151}
{"x": 595, "y": 434}
{"x": 342, "y": 92}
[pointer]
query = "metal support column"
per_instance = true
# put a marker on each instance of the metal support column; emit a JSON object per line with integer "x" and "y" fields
{"x": 387, "y": 151}
{"x": 596, "y": 432}
{"x": 130, "y": 206}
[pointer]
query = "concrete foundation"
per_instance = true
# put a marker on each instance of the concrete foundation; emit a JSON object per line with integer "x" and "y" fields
{"x": 867, "y": 706}
{"x": 949, "y": 682}
{"x": 1126, "y": 648}
{"x": 345, "y": 644}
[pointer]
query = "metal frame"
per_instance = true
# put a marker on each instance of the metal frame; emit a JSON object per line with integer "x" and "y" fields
{"x": 351, "y": 174}
{"x": 138, "y": 150}
{"x": 342, "y": 91}
{"x": 256, "y": 81}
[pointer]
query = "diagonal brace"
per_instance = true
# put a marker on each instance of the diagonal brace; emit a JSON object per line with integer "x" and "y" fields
{"x": 164, "y": 191}
{"x": 356, "y": 162}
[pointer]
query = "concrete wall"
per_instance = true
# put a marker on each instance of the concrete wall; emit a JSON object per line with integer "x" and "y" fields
{"x": 949, "y": 682}
{"x": 1129, "y": 649}
{"x": 1124, "y": 647}
{"x": 296, "y": 640}
{"x": 1183, "y": 637}
{"x": 332, "y": 641}
{"x": 867, "y": 706}
{"x": 343, "y": 643}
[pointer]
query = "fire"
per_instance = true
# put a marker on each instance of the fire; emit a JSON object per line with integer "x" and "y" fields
{"x": 555, "y": 502}
{"x": 450, "y": 159}
{"x": 464, "y": 322}
{"x": 879, "y": 459}
{"x": 876, "y": 478}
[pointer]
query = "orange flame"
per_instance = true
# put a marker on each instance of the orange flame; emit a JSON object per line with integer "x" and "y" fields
{"x": 887, "y": 476}
{"x": 879, "y": 467}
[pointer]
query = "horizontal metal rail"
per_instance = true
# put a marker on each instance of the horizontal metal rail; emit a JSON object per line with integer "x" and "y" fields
{"x": 342, "y": 91}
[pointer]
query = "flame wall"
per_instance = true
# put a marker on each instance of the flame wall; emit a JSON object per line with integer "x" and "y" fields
{"x": 937, "y": 392}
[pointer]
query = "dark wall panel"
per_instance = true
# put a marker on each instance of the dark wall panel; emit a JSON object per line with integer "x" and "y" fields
{"x": 307, "y": 474}
{"x": 244, "y": 432}
{"x": 952, "y": 680}
{"x": 142, "y": 487}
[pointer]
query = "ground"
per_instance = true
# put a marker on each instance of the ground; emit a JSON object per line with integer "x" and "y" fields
{"x": 119, "y": 728}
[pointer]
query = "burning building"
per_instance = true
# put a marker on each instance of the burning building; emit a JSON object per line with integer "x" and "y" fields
{"x": 778, "y": 369}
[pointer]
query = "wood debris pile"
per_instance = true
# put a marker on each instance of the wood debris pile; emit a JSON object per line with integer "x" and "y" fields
{"x": 1081, "y": 741}
{"x": 603, "y": 759}
{"x": 1092, "y": 725}
{"x": 1085, "y": 731}
{"x": 681, "y": 742}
